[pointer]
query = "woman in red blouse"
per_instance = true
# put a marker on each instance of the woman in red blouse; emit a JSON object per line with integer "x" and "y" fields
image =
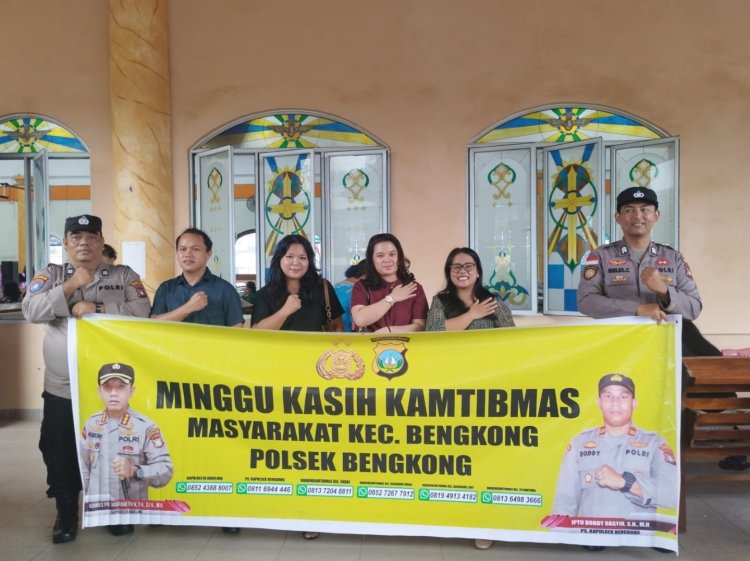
{"x": 388, "y": 299}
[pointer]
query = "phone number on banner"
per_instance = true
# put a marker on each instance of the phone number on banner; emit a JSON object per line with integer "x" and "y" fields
{"x": 513, "y": 499}
{"x": 445, "y": 495}
{"x": 264, "y": 489}
{"x": 308, "y": 490}
{"x": 392, "y": 493}
{"x": 205, "y": 488}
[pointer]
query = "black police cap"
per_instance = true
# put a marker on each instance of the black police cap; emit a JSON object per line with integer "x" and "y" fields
{"x": 117, "y": 370}
{"x": 617, "y": 380}
{"x": 83, "y": 223}
{"x": 637, "y": 195}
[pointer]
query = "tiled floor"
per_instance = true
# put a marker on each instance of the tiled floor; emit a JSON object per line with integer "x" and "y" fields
{"x": 718, "y": 529}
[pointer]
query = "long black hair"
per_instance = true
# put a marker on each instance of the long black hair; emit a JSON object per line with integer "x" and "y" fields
{"x": 373, "y": 279}
{"x": 309, "y": 284}
{"x": 452, "y": 304}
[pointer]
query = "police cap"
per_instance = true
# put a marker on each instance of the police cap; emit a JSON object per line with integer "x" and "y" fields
{"x": 617, "y": 380}
{"x": 637, "y": 195}
{"x": 117, "y": 370}
{"x": 83, "y": 223}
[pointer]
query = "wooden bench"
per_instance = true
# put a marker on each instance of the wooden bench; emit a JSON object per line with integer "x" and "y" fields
{"x": 716, "y": 422}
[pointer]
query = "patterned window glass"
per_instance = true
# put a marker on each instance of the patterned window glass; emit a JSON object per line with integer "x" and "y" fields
{"x": 503, "y": 216}
{"x": 214, "y": 208}
{"x": 356, "y": 205}
{"x": 653, "y": 165}
{"x": 290, "y": 178}
{"x": 573, "y": 180}
{"x": 45, "y": 176}
{"x": 28, "y": 135}
{"x": 589, "y": 154}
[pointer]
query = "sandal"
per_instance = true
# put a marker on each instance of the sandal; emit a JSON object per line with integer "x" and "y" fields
{"x": 310, "y": 535}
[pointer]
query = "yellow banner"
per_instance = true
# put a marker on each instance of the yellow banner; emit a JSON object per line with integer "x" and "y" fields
{"x": 500, "y": 434}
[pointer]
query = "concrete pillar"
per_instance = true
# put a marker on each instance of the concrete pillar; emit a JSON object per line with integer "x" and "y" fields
{"x": 141, "y": 126}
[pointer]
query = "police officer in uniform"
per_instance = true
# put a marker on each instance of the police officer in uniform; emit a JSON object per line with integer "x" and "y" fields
{"x": 81, "y": 286}
{"x": 616, "y": 470}
{"x": 636, "y": 276}
{"x": 122, "y": 452}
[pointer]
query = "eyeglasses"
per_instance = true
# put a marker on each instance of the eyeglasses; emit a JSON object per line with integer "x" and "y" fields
{"x": 468, "y": 267}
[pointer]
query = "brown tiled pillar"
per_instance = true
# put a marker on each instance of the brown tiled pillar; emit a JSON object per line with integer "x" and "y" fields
{"x": 141, "y": 124}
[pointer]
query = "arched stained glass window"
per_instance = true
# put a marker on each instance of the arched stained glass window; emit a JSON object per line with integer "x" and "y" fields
{"x": 541, "y": 188}
{"x": 569, "y": 124}
{"x": 44, "y": 177}
{"x": 29, "y": 135}
{"x": 288, "y": 131}
{"x": 290, "y": 172}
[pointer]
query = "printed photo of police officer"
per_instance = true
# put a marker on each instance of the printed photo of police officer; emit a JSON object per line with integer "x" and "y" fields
{"x": 122, "y": 452}
{"x": 616, "y": 470}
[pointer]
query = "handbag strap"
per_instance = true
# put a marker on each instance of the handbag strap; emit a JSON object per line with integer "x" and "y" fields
{"x": 328, "y": 300}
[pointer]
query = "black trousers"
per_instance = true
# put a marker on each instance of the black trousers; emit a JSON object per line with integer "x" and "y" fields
{"x": 57, "y": 442}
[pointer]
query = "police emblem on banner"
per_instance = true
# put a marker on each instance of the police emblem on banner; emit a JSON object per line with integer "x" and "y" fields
{"x": 390, "y": 357}
{"x": 340, "y": 363}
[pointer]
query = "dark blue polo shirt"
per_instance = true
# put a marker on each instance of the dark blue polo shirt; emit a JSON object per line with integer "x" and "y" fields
{"x": 224, "y": 306}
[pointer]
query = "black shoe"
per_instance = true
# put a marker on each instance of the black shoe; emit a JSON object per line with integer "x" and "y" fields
{"x": 66, "y": 524}
{"x": 662, "y": 550}
{"x": 232, "y": 531}
{"x": 63, "y": 533}
{"x": 121, "y": 529}
{"x": 593, "y": 547}
{"x": 734, "y": 462}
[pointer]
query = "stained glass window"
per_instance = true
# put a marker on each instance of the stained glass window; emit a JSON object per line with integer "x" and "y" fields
{"x": 44, "y": 177}
{"x": 303, "y": 173}
{"x": 542, "y": 185}
{"x": 28, "y": 135}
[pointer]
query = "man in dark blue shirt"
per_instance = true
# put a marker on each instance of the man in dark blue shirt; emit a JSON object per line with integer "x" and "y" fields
{"x": 197, "y": 295}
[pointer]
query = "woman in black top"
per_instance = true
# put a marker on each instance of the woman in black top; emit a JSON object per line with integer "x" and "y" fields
{"x": 293, "y": 299}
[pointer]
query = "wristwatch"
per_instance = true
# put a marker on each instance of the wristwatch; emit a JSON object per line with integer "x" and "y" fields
{"x": 629, "y": 480}
{"x": 390, "y": 300}
{"x": 138, "y": 473}
{"x": 98, "y": 308}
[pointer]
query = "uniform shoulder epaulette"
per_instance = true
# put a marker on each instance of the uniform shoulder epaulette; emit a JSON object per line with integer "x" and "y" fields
{"x": 663, "y": 245}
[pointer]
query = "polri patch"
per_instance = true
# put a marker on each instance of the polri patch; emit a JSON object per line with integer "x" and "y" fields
{"x": 139, "y": 290}
{"x": 688, "y": 272}
{"x": 37, "y": 283}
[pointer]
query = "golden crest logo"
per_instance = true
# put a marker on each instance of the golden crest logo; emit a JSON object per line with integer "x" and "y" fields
{"x": 340, "y": 363}
{"x": 390, "y": 357}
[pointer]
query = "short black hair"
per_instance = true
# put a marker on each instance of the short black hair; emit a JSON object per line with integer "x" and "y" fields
{"x": 109, "y": 252}
{"x": 357, "y": 270}
{"x": 196, "y": 232}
